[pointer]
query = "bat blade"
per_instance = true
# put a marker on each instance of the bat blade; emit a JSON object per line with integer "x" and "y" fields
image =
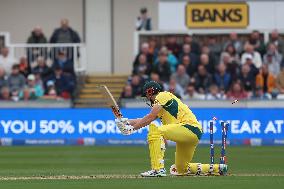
{"x": 111, "y": 101}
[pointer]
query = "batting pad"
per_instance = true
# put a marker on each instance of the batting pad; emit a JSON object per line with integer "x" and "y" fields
{"x": 156, "y": 147}
{"x": 197, "y": 168}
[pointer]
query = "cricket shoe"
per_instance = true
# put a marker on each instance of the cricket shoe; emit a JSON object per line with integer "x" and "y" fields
{"x": 155, "y": 173}
{"x": 173, "y": 170}
{"x": 223, "y": 169}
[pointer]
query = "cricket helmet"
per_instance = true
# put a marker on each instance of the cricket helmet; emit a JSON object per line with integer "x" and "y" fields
{"x": 151, "y": 88}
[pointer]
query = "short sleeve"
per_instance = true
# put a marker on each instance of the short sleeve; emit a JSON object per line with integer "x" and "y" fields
{"x": 162, "y": 98}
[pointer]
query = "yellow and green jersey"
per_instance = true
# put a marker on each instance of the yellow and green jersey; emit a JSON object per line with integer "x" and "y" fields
{"x": 174, "y": 110}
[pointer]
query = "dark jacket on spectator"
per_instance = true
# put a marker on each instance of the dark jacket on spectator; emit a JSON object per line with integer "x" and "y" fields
{"x": 213, "y": 61}
{"x": 233, "y": 70}
{"x": 144, "y": 69}
{"x": 137, "y": 89}
{"x": 261, "y": 46}
{"x": 248, "y": 81}
{"x": 150, "y": 59}
{"x": 194, "y": 59}
{"x": 190, "y": 70}
{"x": 67, "y": 66}
{"x": 72, "y": 38}
{"x": 223, "y": 82}
{"x": 33, "y": 53}
{"x": 44, "y": 71}
{"x": 36, "y": 39}
{"x": 163, "y": 70}
{"x": 203, "y": 82}
{"x": 64, "y": 83}
{"x": 253, "y": 70}
{"x": 195, "y": 48}
{"x": 16, "y": 82}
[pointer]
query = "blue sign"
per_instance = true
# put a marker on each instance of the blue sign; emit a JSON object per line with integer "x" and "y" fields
{"x": 38, "y": 126}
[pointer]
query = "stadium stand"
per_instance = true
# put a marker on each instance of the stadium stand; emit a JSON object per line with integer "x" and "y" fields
{"x": 218, "y": 66}
{"x": 39, "y": 70}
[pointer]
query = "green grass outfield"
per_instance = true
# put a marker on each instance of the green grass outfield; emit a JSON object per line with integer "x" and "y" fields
{"x": 119, "y": 167}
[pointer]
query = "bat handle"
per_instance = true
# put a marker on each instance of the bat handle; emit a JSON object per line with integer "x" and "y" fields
{"x": 117, "y": 114}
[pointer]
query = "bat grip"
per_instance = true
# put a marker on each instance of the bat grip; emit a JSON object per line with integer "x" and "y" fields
{"x": 116, "y": 112}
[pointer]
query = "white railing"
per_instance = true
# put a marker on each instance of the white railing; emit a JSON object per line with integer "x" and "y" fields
{"x": 75, "y": 51}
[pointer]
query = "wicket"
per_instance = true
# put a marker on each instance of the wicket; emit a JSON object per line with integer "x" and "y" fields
{"x": 223, "y": 159}
{"x": 211, "y": 148}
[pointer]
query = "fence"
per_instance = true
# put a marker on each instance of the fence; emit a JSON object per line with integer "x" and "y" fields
{"x": 75, "y": 51}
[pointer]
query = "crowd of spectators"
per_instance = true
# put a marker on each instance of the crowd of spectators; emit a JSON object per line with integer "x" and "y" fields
{"x": 237, "y": 68}
{"x": 38, "y": 75}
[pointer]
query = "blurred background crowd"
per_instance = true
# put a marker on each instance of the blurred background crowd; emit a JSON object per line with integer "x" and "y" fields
{"x": 219, "y": 66}
{"x": 43, "y": 73}
{"x": 211, "y": 67}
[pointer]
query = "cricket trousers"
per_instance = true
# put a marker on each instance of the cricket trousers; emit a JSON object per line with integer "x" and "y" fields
{"x": 186, "y": 138}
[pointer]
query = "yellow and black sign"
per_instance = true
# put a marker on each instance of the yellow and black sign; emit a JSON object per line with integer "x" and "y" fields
{"x": 217, "y": 15}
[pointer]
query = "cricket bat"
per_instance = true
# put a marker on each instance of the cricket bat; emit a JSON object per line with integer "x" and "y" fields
{"x": 111, "y": 101}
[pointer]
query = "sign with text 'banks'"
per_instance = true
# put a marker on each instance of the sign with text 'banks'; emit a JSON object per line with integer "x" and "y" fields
{"x": 217, "y": 15}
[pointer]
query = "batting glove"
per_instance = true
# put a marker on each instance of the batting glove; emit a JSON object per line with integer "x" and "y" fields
{"x": 122, "y": 120}
{"x": 119, "y": 124}
{"x": 123, "y": 126}
{"x": 127, "y": 130}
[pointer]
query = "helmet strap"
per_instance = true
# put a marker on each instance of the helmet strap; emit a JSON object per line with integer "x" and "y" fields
{"x": 148, "y": 102}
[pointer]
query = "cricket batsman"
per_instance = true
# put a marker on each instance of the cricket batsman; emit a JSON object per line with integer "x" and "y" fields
{"x": 179, "y": 124}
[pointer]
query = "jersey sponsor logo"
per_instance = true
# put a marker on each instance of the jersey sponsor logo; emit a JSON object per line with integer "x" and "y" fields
{"x": 217, "y": 15}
